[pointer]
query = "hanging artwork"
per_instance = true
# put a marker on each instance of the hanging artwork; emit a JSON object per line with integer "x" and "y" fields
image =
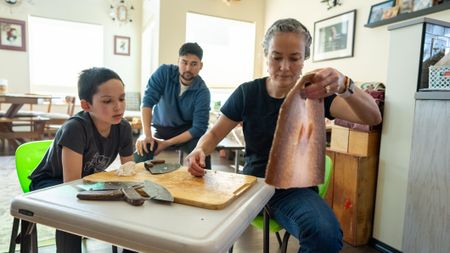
{"x": 12, "y": 34}
{"x": 334, "y": 37}
{"x": 121, "y": 45}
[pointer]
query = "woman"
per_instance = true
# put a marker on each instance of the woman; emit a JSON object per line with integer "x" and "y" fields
{"x": 300, "y": 211}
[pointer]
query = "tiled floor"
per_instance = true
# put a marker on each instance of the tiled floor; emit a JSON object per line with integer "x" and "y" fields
{"x": 250, "y": 241}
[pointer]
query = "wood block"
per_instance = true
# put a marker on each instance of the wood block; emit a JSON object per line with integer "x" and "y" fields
{"x": 339, "y": 138}
{"x": 363, "y": 143}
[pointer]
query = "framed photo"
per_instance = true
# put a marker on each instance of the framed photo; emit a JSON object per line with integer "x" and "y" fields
{"x": 422, "y": 4}
{"x": 391, "y": 12}
{"x": 377, "y": 10}
{"x": 406, "y": 6}
{"x": 12, "y": 34}
{"x": 334, "y": 37}
{"x": 121, "y": 45}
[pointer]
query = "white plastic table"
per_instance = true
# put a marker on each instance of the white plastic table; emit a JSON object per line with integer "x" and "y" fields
{"x": 153, "y": 227}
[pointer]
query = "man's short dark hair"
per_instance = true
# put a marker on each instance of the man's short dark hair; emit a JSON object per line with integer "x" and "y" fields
{"x": 191, "y": 48}
{"x": 90, "y": 79}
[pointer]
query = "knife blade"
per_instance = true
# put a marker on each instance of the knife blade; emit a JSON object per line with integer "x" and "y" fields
{"x": 157, "y": 192}
{"x": 106, "y": 186}
{"x": 163, "y": 168}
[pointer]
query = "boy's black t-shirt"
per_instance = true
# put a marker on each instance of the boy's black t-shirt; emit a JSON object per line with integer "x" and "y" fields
{"x": 251, "y": 104}
{"x": 80, "y": 135}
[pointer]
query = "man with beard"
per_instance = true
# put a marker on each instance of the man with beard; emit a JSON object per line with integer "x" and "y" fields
{"x": 176, "y": 104}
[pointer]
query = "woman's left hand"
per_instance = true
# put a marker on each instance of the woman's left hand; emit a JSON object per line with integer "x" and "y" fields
{"x": 323, "y": 83}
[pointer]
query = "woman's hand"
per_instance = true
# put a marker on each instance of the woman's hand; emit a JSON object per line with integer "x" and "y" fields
{"x": 196, "y": 162}
{"x": 322, "y": 83}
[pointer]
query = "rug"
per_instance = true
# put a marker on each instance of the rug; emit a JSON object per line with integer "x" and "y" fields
{"x": 11, "y": 188}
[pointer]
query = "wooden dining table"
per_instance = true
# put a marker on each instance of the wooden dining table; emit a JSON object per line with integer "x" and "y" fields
{"x": 16, "y": 102}
{"x": 32, "y": 123}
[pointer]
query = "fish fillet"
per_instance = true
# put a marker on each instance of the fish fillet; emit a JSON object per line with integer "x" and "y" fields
{"x": 297, "y": 155}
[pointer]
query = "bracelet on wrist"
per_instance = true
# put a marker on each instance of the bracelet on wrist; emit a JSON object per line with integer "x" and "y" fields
{"x": 349, "y": 88}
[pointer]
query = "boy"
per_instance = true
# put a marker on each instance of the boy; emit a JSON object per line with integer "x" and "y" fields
{"x": 89, "y": 141}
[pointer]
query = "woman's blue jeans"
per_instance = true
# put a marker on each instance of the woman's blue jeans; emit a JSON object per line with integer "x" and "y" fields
{"x": 306, "y": 216}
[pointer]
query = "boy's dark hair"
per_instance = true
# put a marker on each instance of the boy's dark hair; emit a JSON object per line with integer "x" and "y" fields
{"x": 191, "y": 48}
{"x": 90, "y": 79}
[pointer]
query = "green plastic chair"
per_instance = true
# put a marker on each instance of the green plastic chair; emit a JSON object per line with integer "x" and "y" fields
{"x": 28, "y": 156}
{"x": 274, "y": 227}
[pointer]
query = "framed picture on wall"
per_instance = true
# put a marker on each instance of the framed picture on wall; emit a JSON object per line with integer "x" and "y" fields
{"x": 121, "y": 45}
{"x": 12, "y": 34}
{"x": 334, "y": 37}
{"x": 422, "y": 4}
{"x": 406, "y": 6}
{"x": 377, "y": 11}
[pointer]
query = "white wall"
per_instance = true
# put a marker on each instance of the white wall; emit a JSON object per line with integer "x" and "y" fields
{"x": 370, "y": 47}
{"x": 14, "y": 64}
{"x": 172, "y": 29}
{"x": 369, "y": 63}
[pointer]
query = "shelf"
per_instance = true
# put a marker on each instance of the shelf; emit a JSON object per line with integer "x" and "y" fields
{"x": 441, "y": 7}
{"x": 433, "y": 95}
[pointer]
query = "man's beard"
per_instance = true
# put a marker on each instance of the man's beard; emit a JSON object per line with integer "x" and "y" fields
{"x": 187, "y": 76}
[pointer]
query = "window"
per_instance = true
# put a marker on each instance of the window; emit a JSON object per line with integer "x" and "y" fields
{"x": 59, "y": 50}
{"x": 228, "y": 49}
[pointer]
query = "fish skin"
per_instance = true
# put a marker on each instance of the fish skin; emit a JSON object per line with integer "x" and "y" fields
{"x": 297, "y": 155}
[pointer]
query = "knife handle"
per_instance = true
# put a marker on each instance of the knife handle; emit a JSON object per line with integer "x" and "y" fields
{"x": 157, "y": 161}
{"x": 100, "y": 195}
{"x": 132, "y": 196}
{"x": 148, "y": 165}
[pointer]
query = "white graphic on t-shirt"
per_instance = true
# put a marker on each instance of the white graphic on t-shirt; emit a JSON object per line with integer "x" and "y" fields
{"x": 97, "y": 163}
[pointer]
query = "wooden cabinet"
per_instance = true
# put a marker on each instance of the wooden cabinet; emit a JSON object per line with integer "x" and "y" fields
{"x": 351, "y": 193}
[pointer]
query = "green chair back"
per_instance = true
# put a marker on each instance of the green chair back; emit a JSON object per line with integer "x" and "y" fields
{"x": 274, "y": 227}
{"x": 328, "y": 172}
{"x": 28, "y": 156}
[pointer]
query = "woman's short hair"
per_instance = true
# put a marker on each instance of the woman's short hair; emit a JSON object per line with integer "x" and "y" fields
{"x": 287, "y": 25}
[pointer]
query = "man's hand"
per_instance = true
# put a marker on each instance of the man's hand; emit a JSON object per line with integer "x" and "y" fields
{"x": 141, "y": 144}
{"x": 196, "y": 162}
{"x": 162, "y": 145}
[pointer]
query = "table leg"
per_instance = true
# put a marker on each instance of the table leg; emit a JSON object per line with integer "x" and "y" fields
{"x": 26, "y": 239}
{"x": 266, "y": 231}
{"x": 237, "y": 153}
{"x": 12, "y": 110}
{"x": 39, "y": 128}
{"x": 180, "y": 156}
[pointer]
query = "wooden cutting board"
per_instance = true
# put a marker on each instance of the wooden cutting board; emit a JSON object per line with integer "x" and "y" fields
{"x": 215, "y": 190}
